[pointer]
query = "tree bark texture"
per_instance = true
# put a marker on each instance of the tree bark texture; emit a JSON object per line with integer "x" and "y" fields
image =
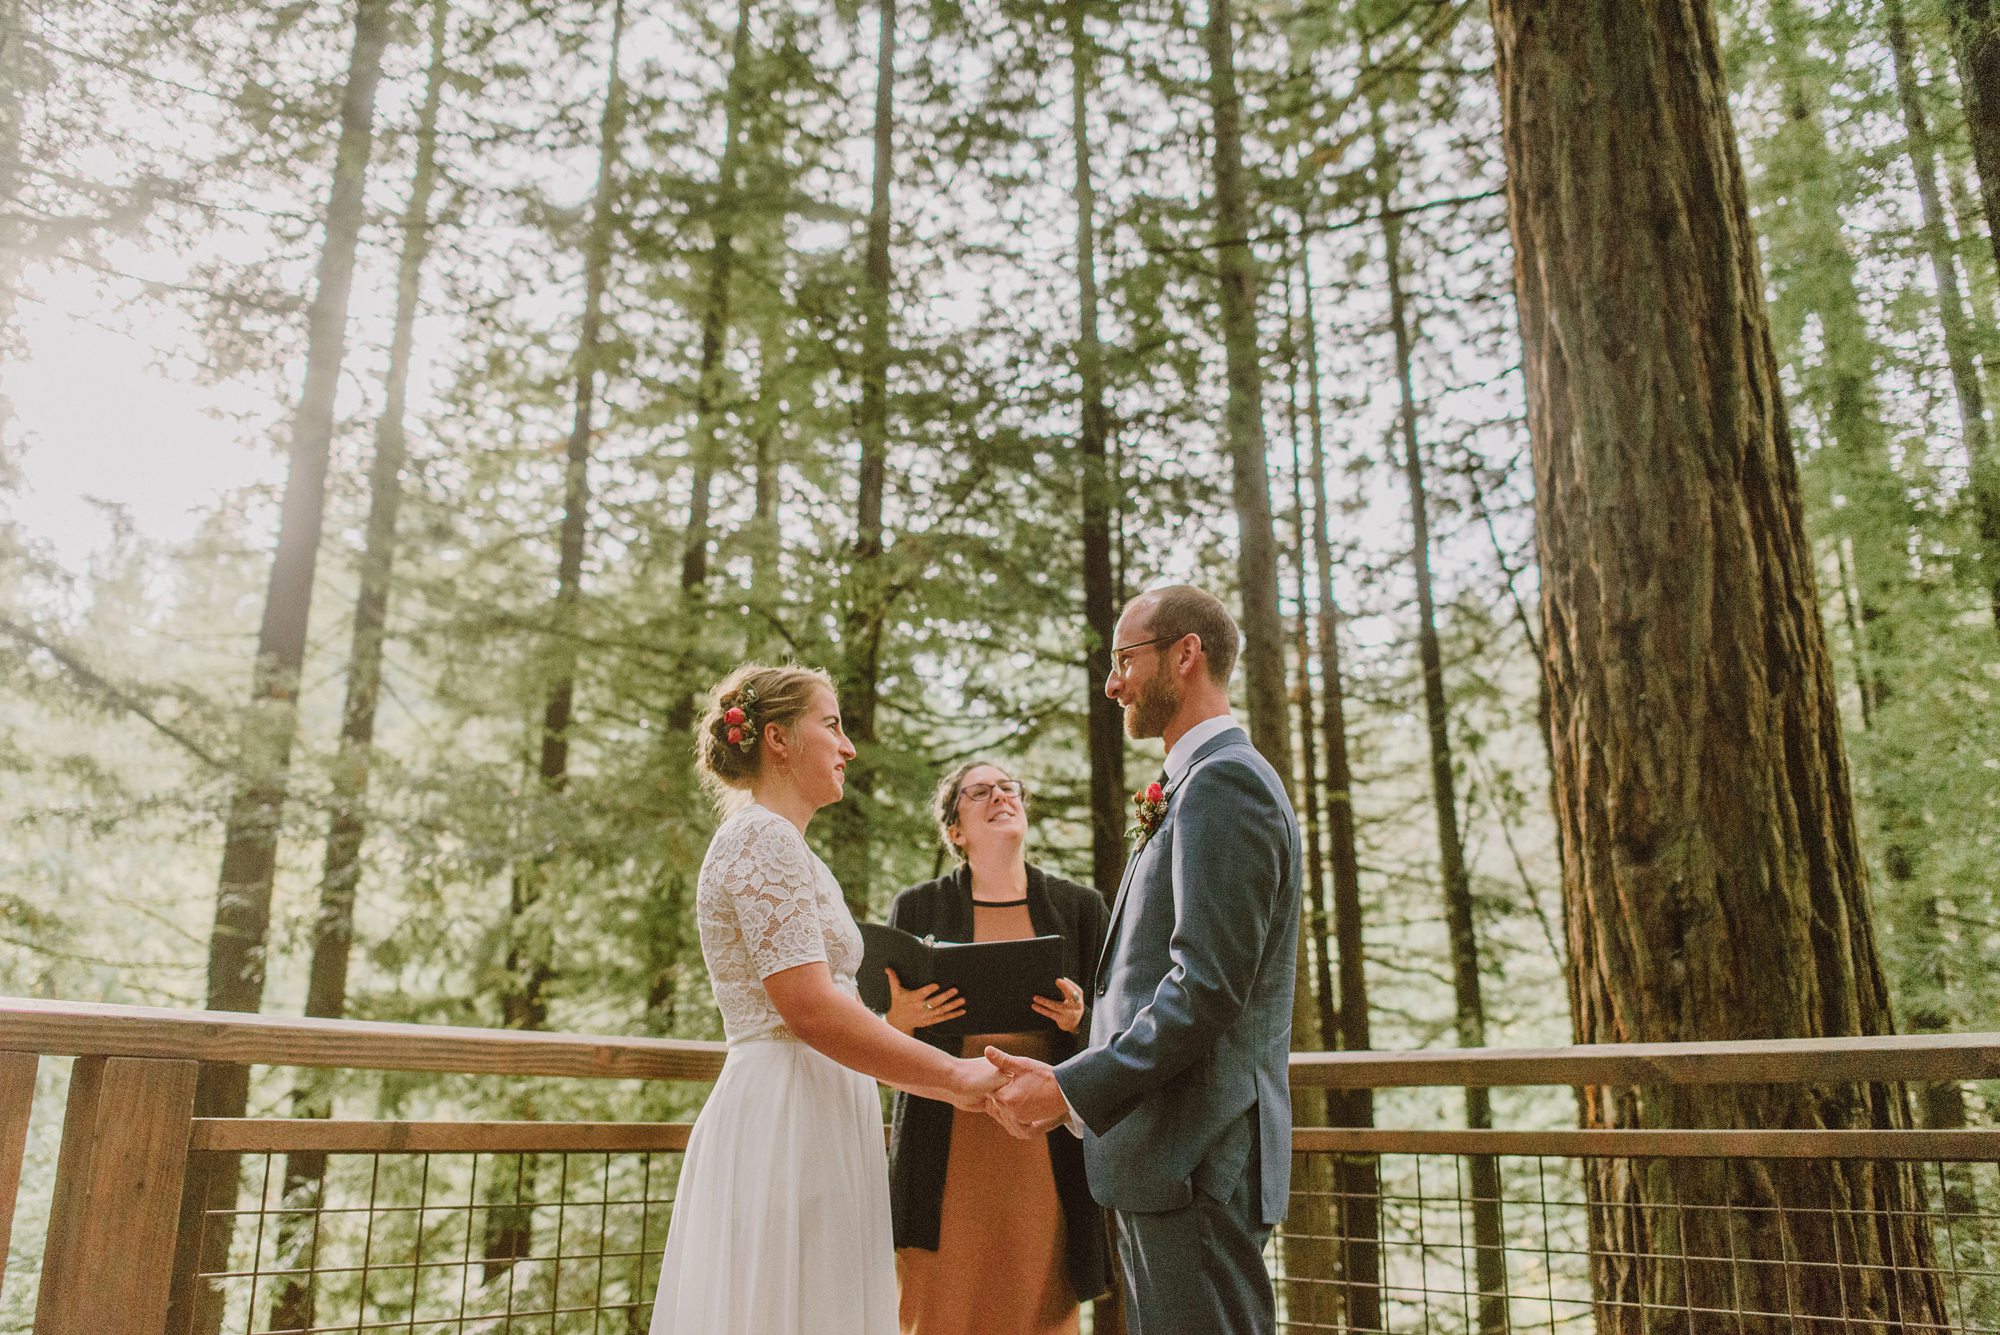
{"x": 1263, "y": 659}
{"x": 1935, "y": 235}
{"x": 333, "y": 927}
{"x": 240, "y": 936}
{"x": 1482, "y": 1171}
{"x": 1702, "y": 792}
{"x": 861, "y": 654}
{"x": 1100, "y": 597}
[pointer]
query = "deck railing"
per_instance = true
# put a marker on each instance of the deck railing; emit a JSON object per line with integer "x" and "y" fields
{"x": 159, "y": 1220}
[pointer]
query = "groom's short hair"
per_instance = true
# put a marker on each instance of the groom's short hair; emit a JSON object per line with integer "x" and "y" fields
{"x": 1182, "y": 609}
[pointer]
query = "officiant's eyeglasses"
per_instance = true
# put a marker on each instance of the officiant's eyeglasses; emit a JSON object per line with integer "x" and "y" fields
{"x": 1121, "y": 657}
{"x": 980, "y": 792}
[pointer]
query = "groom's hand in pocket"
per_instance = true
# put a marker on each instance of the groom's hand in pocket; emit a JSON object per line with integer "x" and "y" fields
{"x": 1031, "y": 1103}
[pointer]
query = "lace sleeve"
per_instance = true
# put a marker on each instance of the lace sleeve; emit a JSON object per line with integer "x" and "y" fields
{"x": 772, "y": 883}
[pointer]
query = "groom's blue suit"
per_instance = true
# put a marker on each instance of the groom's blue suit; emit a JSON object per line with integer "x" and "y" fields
{"x": 1184, "y": 1090}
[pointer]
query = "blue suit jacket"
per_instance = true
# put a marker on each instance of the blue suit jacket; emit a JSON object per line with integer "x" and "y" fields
{"x": 1187, "y": 1072}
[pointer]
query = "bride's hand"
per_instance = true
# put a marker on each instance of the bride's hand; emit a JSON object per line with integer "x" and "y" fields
{"x": 975, "y": 1078}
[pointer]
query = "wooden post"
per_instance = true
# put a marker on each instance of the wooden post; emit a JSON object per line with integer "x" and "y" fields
{"x": 112, "y": 1222}
{"x": 17, "y": 1100}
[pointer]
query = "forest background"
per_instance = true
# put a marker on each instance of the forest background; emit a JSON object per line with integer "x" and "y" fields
{"x": 572, "y": 352}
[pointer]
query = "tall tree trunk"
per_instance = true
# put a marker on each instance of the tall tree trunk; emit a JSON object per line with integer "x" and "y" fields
{"x": 1100, "y": 597}
{"x": 1711, "y": 864}
{"x": 1263, "y": 656}
{"x": 1359, "y": 1176}
{"x": 867, "y": 585}
{"x": 529, "y": 964}
{"x": 705, "y": 454}
{"x": 1981, "y": 466}
{"x": 241, "y": 932}
{"x": 333, "y": 928}
{"x": 765, "y": 535}
{"x": 1483, "y": 1172}
{"x": 1975, "y": 44}
{"x": 1807, "y": 187}
{"x": 1236, "y": 278}
{"x": 1314, "y": 830}
{"x": 1312, "y": 1241}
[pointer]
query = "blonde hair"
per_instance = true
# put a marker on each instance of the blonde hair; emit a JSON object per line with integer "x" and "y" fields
{"x": 766, "y": 695}
{"x": 944, "y": 800}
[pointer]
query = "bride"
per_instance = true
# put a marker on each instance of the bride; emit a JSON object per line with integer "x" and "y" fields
{"x": 781, "y": 1216}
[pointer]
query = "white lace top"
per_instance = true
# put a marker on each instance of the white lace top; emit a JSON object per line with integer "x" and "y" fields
{"x": 765, "y": 903}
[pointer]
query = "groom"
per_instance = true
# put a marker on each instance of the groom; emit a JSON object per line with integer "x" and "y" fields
{"x": 1182, "y": 1098}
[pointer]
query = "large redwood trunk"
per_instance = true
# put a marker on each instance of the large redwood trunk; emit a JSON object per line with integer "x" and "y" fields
{"x": 1711, "y": 868}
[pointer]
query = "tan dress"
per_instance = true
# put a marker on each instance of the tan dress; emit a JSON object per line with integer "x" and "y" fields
{"x": 1000, "y": 1266}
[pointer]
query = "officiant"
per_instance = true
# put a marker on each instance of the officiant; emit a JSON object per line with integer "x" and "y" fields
{"x": 994, "y": 1236}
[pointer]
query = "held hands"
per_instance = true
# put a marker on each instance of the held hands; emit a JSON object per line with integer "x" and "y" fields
{"x": 914, "y": 1008}
{"x": 1067, "y": 1013}
{"x": 1030, "y": 1102}
{"x": 975, "y": 1083}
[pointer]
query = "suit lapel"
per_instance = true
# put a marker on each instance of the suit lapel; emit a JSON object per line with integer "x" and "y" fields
{"x": 1117, "y": 908}
{"x": 1206, "y": 749}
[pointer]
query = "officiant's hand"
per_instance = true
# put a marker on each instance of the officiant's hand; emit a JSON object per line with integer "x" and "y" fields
{"x": 1067, "y": 1013}
{"x": 1032, "y": 1103}
{"x": 914, "y": 1008}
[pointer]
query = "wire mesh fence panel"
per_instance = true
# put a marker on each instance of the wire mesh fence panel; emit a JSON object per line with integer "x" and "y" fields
{"x": 444, "y": 1243}
{"x": 1656, "y": 1246}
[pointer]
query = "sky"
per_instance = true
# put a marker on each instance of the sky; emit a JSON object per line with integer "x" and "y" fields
{"x": 103, "y": 415}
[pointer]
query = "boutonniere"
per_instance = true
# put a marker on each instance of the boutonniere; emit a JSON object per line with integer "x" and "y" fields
{"x": 1152, "y": 804}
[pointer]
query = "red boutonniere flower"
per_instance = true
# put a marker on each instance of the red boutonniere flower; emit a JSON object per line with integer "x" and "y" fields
{"x": 1152, "y": 804}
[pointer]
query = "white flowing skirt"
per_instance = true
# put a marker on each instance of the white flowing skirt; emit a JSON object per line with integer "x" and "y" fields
{"x": 781, "y": 1219}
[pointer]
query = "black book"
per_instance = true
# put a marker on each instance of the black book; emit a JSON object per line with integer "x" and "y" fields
{"x": 998, "y": 979}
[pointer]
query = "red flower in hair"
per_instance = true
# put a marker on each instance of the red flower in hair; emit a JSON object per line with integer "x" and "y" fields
{"x": 732, "y": 715}
{"x": 735, "y": 736}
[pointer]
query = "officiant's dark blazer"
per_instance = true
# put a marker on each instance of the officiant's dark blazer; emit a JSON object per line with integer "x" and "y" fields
{"x": 920, "y": 1139}
{"x": 1185, "y": 1082}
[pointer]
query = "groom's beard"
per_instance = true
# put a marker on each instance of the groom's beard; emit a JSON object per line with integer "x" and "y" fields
{"x": 1152, "y": 708}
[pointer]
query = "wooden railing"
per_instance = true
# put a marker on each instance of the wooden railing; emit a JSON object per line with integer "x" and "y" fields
{"x": 404, "y": 1217}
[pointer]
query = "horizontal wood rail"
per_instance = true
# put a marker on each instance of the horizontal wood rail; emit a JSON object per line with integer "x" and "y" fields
{"x": 78, "y": 1029}
{"x": 1778, "y": 1061}
{"x": 63, "y": 1028}
{"x": 1981, "y": 1146}
{"x": 286, "y": 1135}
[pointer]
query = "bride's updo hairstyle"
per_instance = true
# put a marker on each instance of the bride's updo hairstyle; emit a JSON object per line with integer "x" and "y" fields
{"x": 729, "y": 740}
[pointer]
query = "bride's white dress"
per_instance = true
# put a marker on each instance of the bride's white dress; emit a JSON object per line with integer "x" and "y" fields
{"x": 781, "y": 1217}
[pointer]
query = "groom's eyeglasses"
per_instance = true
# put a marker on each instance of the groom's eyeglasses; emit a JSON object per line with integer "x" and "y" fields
{"x": 1121, "y": 657}
{"x": 980, "y": 792}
